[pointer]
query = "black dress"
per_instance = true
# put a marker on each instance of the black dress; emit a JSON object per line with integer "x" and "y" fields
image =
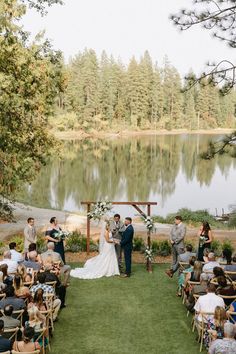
{"x": 201, "y": 246}
{"x": 59, "y": 246}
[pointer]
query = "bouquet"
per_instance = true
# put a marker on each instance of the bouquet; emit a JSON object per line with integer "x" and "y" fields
{"x": 100, "y": 209}
{"x": 61, "y": 235}
{"x": 202, "y": 239}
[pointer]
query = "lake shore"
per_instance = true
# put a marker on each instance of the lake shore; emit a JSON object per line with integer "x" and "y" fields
{"x": 79, "y": 135}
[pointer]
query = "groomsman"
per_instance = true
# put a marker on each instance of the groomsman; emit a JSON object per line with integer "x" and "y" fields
{"x": 29, "y": 234}
{"x": 127, "y": 244}
{"x": 117, "y": 228}
{"x": 177, "y": 235}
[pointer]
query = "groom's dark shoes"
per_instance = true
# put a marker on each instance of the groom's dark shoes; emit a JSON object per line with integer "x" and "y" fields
{"x": 125, "y": 275}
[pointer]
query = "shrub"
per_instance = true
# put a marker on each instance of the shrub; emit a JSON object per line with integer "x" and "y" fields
{"x": 138, "y": 244}
{"x": 41, "y": 244}
{"x": 216, "y": 247}
{"x": 227, "y": 245}
{"x": 161, "y": 248}
{"x": 2, "y": 247}
{"x": 19, "y": 240}
{"x": 6, "y": 211}
{"x": 78, "y": 243}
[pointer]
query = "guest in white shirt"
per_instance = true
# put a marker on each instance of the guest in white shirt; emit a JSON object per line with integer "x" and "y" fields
{"x": 208, "y": 267}
{"x": 15, "y": 256}
{"x": 208, "y": 302}
{"x": 12, "y": 265}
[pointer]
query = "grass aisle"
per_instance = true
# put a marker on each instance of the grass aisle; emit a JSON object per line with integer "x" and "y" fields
{"x": 113, "y": 315}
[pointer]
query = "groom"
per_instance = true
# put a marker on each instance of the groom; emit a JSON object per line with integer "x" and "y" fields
{"x": 127, "y": 244}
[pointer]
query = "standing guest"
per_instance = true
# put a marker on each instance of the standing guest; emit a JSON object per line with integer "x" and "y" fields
{"x": 8, "y": 319}
{"x": 5, "y": 344}
{"x": 205, "y": 239}
{"x": 208, "y": 302}
{"x": 11, "y": 299}
{"x": 177, "y": 235}
{"x": 11, "y": 265}
{"x": 208, "y": 267}
{"x": 56, "y": 258}
{"x": 227, "y": 345}
{"x": 29, "y": 233}
{"x": 51, "y": 236}
{"x": 15, "y": 256}
{"x": 27, "y": 344}
{"x": 127, "y": 244}
{"x": 31, "y": 263}
{"x": 117, "y": 229}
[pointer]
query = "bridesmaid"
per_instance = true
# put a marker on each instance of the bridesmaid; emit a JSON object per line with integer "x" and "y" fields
{"x": 205, "y": 239}
{"x": 50, "y": 236}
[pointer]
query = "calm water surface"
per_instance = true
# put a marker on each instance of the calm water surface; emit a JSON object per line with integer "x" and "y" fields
{"x": 166, "y": 169}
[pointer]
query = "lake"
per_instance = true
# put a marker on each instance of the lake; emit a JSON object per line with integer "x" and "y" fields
{"x": 166, "y": 169}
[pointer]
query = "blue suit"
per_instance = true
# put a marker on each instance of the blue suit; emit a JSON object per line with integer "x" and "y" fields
{"x": 127, "y": 245}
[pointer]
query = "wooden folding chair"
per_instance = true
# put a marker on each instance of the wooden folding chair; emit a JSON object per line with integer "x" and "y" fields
{"x": 183, "y": 266}
{"x": 10, "y": 333}
{"x": 49, "y": 298}
{"x": 8, "y": 352}
{"x": 225, "y": 297}
{"x": 49, "y": 323}
{"x": 14, "y": 352}
{"x": 2, "y": 296}
{"x": 52, "y": 283}
{"x": 231, "y": 276}
{"x": 17, "y": 314}
{"x": 28, "y": 284}
{"x": 202, "y": 326}
{"x": 189, "y": 284}
{"x": 38, "y": 336}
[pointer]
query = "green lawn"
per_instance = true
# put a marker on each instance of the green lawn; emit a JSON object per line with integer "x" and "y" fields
{"x": 113, "y": 315}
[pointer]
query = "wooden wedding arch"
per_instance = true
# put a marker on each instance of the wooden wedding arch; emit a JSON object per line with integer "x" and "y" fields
{"x": 133, "y": 204}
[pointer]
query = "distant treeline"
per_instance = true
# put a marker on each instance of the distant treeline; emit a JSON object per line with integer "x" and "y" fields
{"x": 104, "y": 93}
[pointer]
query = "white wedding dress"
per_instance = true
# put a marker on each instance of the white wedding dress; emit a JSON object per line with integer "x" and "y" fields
{"x": 103, "y": 265}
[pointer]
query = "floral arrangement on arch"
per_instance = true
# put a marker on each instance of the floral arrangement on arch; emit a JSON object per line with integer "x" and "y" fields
{"x": 149, "y": 253}
{"x": 99, "y": 209}
{"x": 148, "y": 221}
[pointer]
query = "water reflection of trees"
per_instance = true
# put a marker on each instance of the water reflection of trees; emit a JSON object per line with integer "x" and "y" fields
{"x": 131, "y": 169}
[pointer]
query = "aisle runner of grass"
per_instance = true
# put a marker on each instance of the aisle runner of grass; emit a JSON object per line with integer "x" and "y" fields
{"x": 140, "y": 315}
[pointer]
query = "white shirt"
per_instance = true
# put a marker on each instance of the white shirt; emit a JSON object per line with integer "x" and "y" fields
{"x": 16, "y": 256}
{"x": 208, "y": 303}
{"x": 208, "y": 267}
{"x": 12, "y": 265}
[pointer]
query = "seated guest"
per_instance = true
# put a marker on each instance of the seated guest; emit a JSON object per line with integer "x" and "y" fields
{"x": 8, "y": 319}
{"x": 11, "y": 299}
{"x": 56, "y": 257}
{"x": 2, "y": 285}
{"x": 5, "y": 344}
{"x": 197, "y": 290}
{"x": 60, "y": 288}
{"x": 225, "y": 289}
{"x": 226, "y": 257}
{"x": 12, "y": 265}
{"x": 15, "y": 256}
{"x": 215, "y": 327}
{"x": 232, "y": 308}
{"x": 22, "y": 271}
{"x": 33, "y": 247}
{"x": 32, "y": 263}
{"x": 27, "y": 344}
{"x": 205, "y": 255}
{"x": 47, "y": 290}
{"x": 21, "y": 291}
{"x": 227, "y": 345}
{"x": 194, "y": 275}
{"x": 208, "y": 267}
{"x": 232, "y": 268}
{"x": 7, "y": 279}
{"x": 208, "y": 302}
{"x": 184, "y": 257}
{"x": 38, "y": 301}
{"x": 37, "y": 321}
{"x": 181, "y": 278}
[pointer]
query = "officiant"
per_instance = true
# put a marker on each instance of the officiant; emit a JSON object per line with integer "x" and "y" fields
{"x": 117, "y": 227}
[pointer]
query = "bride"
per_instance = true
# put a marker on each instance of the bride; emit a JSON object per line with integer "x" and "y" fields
{"x": 103, "y": 265}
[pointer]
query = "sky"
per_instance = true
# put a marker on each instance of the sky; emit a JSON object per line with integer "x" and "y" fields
{"x": 125, "y": 28}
